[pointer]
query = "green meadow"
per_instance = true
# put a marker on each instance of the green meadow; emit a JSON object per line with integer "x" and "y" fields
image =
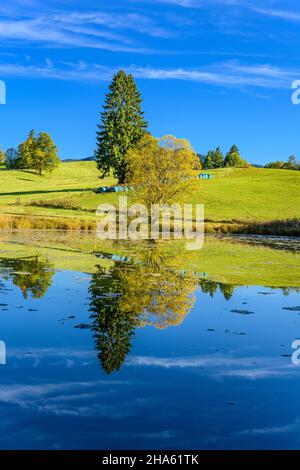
{"x": 232, "y": 196}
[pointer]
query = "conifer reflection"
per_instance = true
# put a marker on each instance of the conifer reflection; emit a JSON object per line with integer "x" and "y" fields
{"x": 130, "y": 295}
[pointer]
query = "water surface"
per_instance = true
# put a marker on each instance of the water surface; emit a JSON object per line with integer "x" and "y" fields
{"x": 137, "y": 354}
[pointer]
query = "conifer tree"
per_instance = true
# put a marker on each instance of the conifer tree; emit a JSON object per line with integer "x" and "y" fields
{"x": 217, "y": 158}
{"x": 208, "y": 161}
{"x": 122, "y": 125}
{"x": 233, "y": 158}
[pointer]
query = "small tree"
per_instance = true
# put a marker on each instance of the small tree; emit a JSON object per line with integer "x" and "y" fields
{"x": 208, "y": 161}
{"x": 217, "y": 158}
{"x": 278, "y": 165}
{"x": 213, "y": 159}
{"x": 26, "y": 151}
{"x": 292, "y": 163}
{"x": 233, "y": 158}
{"x": 37, "y": 153}
{"x": 2, "y": 156}
{"x": 12, "y": 161}
{"x": 122, "y": 125}
{"x": 161, "y": 171}
{"x": 44, "y": 157}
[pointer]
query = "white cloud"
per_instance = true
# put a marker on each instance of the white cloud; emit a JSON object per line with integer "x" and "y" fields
{"x": 98, "y": 30}
{"x": 197, "y": 3}
{"x": 230, "y": 74}
{"x": 267, "y": 430}
{"x": 284, "y": 15}
{"x": 128, "y": 21}
{"x": 220, "y": 367}
{"x": 52, "y": 31}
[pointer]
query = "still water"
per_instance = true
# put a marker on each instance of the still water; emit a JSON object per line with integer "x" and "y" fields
{"x": 136, "y": 355}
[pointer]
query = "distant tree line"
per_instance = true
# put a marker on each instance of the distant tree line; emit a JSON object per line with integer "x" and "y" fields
{"x": 291, "y": 164}
{"x": 215, "y": 159}
{"x": 38, "y": 153}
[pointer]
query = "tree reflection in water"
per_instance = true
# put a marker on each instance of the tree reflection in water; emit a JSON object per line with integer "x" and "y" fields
{"x": 211, "y": 288}
{"x": 130, "y": 295}
{"x": 33, "y": 275}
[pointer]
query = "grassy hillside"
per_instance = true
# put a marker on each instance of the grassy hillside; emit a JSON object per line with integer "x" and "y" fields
{"x": 68, "y": 178}
{"x": 232, "y": 195}
{"x": 251, "y": 194}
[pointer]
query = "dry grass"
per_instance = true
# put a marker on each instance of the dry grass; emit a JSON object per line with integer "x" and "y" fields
{"x": 65, "y": 203}
{"x": 43, "y": 223}
{"x": 288, "y": 228}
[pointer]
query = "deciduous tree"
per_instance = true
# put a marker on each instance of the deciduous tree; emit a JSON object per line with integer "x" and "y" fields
{"x": 45, "y": 156}
{"x": 162, "y": 170}
{"x": 233, "y": 158}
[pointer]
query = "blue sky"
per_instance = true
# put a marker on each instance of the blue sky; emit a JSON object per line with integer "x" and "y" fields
{"x": 217, "y": 72}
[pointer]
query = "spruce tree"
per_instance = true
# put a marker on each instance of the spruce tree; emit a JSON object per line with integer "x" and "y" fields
{"x": 122, "y": 125}
{"x": 208, "y": 161}
{"x": 217, "y": 158}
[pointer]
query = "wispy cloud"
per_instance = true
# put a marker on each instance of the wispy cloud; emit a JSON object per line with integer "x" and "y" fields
{"x": 267, "y": 430}
{"x": 195, "y": 3}
{"x": 230, "y": 74}
{"x": 220, "y": 367}
{"x": 282, "y": 14}
{"x": 129, "y": 21}
{"x": 95, "y": 30}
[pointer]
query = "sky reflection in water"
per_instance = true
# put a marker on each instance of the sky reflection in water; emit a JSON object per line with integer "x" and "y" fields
{"x": 139, "y": 356}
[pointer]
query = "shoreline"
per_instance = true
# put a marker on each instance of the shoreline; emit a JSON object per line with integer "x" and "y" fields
{"x": 289, "y": 228}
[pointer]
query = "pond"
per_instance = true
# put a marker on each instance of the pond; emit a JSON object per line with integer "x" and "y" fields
{"x": 123, "y": 347}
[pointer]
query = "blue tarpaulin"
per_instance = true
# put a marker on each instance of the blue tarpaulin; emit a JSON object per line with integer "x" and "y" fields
{"x": 112, "y": 189}
{"x": 205, "y": 176}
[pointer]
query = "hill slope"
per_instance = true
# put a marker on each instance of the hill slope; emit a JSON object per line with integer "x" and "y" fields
{"x": 250, "y": 194}
{"x": 233, "y": 194}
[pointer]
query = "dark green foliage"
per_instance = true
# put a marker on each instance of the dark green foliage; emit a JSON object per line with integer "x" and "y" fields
{"x": 291, "y": 164}
{"x": 278, "y": 165}
{"x": 218, "y": 159}
{"x": 37, "y": 153}
{"x": 112, "y": 325}
{"x": 32, "y": 275}
{"x": 208, "y": 161}
{"x": 233, "y": 159}
{"x": 45, "y": 156}
{"x": 214, "y": 159}
{"x": 211, "y": 288}
{"x": 122, "y": 125}
{"x": 13, "y": 160}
